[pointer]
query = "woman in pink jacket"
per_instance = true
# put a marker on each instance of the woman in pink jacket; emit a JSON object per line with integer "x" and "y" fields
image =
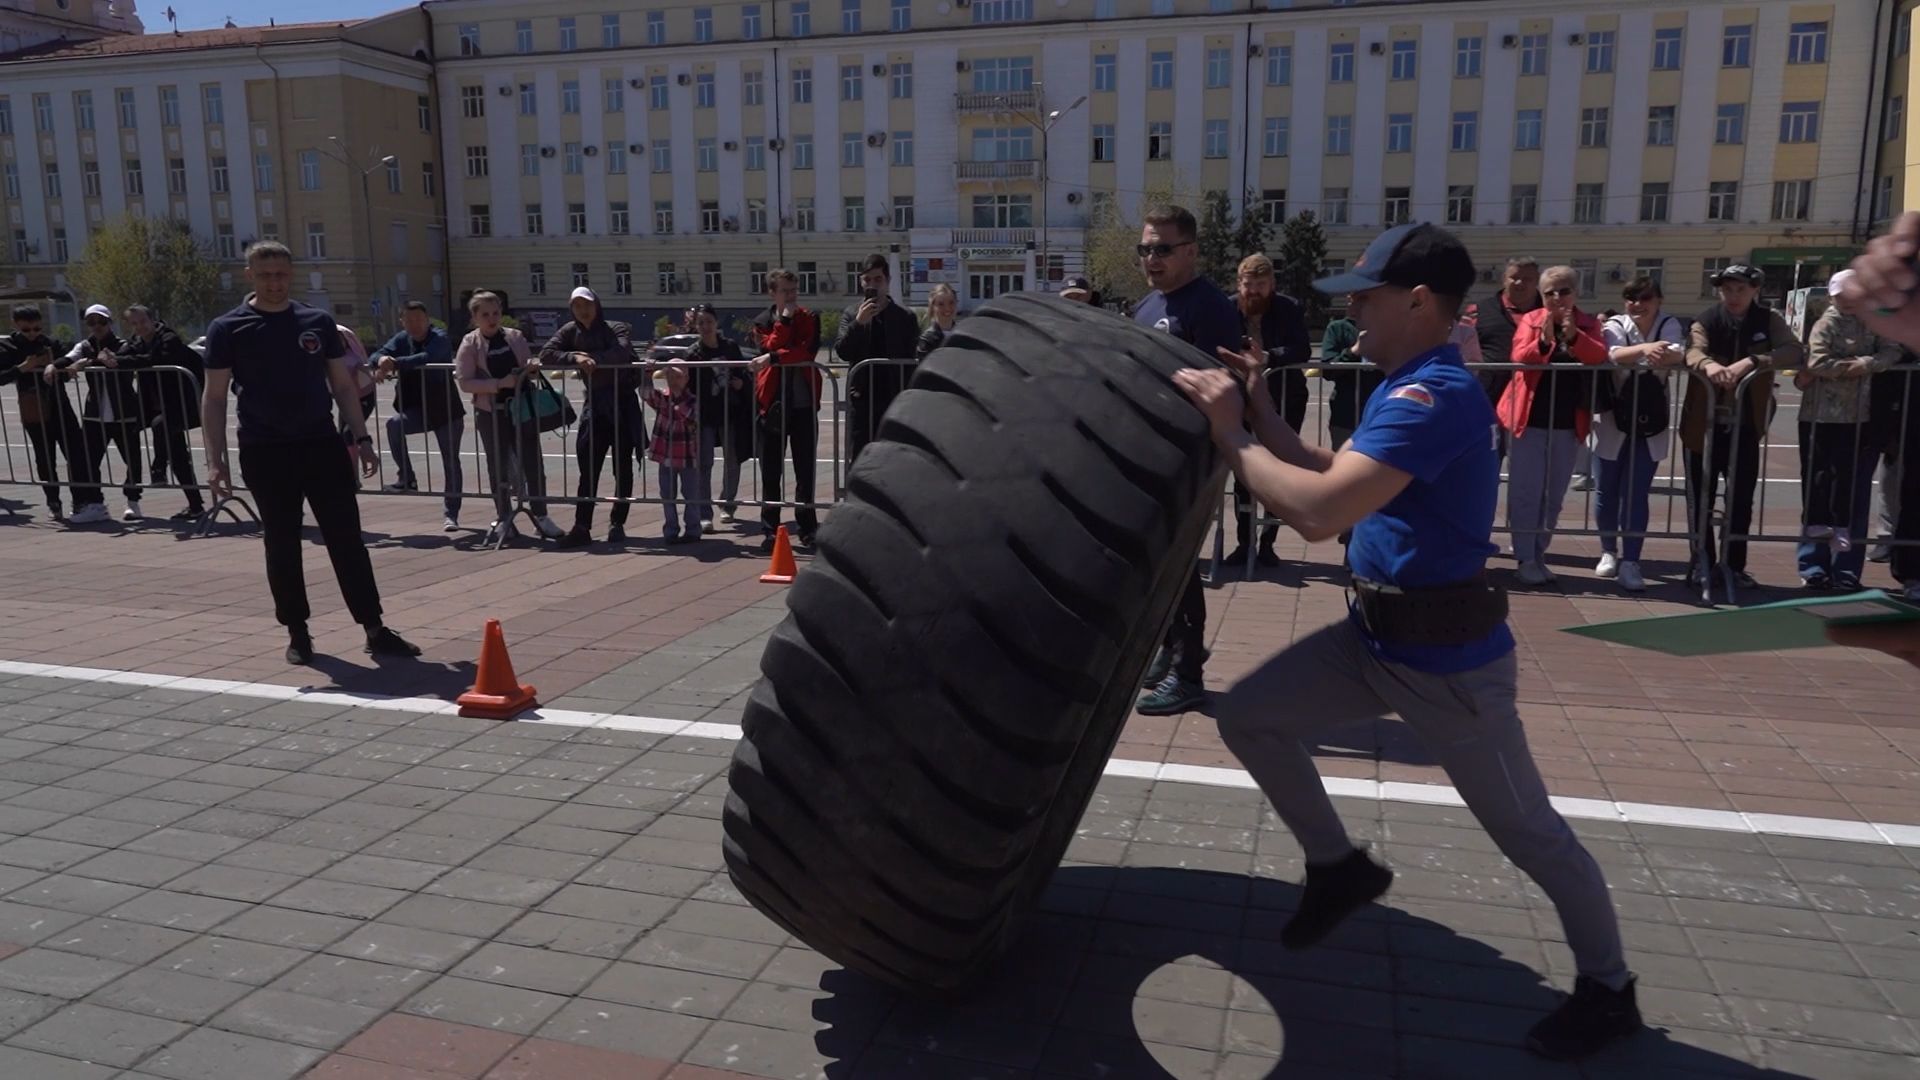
{"x": 1547, "y": 415}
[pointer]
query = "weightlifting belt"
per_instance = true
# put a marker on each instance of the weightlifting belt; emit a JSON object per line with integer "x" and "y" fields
{"x": 1457, "y": 614}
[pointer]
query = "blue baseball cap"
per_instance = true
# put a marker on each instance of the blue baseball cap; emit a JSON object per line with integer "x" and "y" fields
{"x": 1408, "y": 255}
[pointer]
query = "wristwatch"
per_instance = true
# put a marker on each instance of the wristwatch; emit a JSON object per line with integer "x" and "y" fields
{"x": 368, "y": 439}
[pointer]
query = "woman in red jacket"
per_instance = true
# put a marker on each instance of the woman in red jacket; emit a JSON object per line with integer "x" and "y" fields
{"x": 786, "y": 385}
{"x": 1547, "y": 415}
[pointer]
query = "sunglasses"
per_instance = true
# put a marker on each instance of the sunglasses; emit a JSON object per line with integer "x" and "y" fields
{"x": 1158, "y": 251}
{"x": 1556, "y": 292}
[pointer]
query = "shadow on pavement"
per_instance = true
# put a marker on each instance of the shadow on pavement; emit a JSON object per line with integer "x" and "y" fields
{"x": 391, "y": 676}
{"x": 1106, "y": 981}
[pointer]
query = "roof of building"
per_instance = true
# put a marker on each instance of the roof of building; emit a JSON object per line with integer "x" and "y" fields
{"x": 177, "y": 41}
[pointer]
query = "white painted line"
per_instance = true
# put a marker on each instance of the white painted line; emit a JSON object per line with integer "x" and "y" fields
{"x": 1686, "y": 817}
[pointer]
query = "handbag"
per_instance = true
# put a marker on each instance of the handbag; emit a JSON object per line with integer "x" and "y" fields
{"x": 541, "y": 405}
{"x": 1639, "y": 405}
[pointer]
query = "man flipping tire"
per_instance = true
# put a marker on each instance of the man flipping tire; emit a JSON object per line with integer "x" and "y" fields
{"x": 1426, "y": 636}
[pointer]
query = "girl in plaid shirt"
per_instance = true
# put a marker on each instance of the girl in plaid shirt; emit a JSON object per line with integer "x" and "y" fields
{"x": 676, "y": 441}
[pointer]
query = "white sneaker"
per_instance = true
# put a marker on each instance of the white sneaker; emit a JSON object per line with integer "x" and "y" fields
{"x": 1608, "y": 566}
{"x": 451, "y": 524}
{"x": 1535, "y": 573}
{"x": 728, "y": 518}
{"x": 1582, "y": 482}
{"x": 90, "y": 514}
{"x": 133, "y": 511}
{"x": 550, "y": 528}
{"x": 1630, "y": 578}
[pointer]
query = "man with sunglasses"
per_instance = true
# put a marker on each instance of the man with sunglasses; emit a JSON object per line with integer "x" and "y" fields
{"x": 1192, "y": 309}
{"x": 47, "y": 417}
{"x": 111, "y": 414}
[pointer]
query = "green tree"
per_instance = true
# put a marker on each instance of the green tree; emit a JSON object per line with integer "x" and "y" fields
{"x": 157, "y": 263}
{"x": 1220, "y": 254}
{"x": 1254, "y": 231}
{"x": 1303, "y": 250}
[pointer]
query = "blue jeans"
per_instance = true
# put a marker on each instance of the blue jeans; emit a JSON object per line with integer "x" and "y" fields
{"x": 1839, "y": 494}
{"x": 448, "y": 435}
{"x": 677, "y": 483}
{"x": 1624, "y": 490}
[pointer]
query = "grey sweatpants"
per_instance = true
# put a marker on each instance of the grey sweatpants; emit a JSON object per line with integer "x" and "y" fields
{"x": 1539, "y": 467}
{"x": 1469, "y": 722}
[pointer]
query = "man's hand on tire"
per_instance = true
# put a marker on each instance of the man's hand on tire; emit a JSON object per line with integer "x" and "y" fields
{"x": 1219, "y": 395}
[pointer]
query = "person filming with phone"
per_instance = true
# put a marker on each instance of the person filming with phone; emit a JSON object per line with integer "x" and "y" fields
{"x": 876, "y": 329}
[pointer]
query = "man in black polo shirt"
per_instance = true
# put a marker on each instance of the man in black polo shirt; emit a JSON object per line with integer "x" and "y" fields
{"x": 1190, "y": 308}
{"x": 286, "y": 361}
{"x": 887, "y": 334}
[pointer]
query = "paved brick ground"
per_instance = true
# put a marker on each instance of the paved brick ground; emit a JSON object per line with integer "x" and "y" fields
{"x": 196, "y": 886}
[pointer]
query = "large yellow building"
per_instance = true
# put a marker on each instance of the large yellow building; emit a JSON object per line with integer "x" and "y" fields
{"x": 675, "y": 152}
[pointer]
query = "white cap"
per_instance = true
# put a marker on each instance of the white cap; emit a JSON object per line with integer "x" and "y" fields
{"x": 101, "y": 310}
{"x": 583, "y": 293}
{"x": 1838, "y": 281}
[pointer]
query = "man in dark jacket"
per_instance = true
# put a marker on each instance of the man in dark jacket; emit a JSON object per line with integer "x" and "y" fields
{"x": 881, "y": 331}
{"x": 1276, "y": 328}
{"x": 787, "y": 393}
{"x": 46, "y": 416}
{"x": 602, "y": 351}
{"x": 111, "y": 414}
{"x": 1498, "y": 317}
{"x": 723, "y": 387}
{"x": 425, "y": 399}
{"x": 170, "y": 401}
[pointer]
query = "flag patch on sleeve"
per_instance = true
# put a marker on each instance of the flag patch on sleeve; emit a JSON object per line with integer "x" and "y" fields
{"x": 1415, "y": 393}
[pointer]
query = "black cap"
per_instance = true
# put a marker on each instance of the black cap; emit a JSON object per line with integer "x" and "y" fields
{"x": 1076, "y": 281}
{"x": 1741, "y": 272}
{"x": 1408, "y": 255}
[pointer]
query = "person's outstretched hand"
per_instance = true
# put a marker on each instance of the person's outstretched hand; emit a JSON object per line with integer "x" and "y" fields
{"x": 1898, "y": 640}
{"x": 1884, "y": 281}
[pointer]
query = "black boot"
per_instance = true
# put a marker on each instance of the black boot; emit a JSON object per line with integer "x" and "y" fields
{"x": 1333, "y": 892}
{"x": 1591, "y": 1017}
{"x": 299, "y": 645}
{"x": 382, "y": 641}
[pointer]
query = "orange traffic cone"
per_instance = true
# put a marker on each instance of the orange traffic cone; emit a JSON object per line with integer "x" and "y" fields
{"x": 782, "y": 570}
{"x": 497, "y": 694}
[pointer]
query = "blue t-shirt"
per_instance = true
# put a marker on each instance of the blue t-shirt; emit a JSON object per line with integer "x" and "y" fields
{"x": 279, "y": 364}
{"x": 1196, "y": 313}
{"x": 1431, "y": 419}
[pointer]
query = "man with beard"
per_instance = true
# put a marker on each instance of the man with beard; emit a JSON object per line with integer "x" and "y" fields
{"x": 1276, "y": 329}
{"x": 171, "y": 402}
{"x": 47, "y": 417}
{"x": 885, "y": 333}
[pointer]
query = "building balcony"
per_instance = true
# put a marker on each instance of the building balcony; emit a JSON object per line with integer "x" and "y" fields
{"x": 996, "y": 170}
{"x": 995, "y": 101}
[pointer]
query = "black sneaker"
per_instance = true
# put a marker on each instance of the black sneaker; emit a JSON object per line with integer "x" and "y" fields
{"x": 1333, "y": 892}
{"x": 1817, "y": 582}
{"x": 578, "y": 538}
{"x": 1744, "y": 580}
{"x": 191, "y": 513}
{"x": 1590, "y": 1018}
{"x": 382, "y": 641}
{"x": 1158, "y": 668}
{"x": 299, "y": 646}
{"x": 1266, "y": 558}
{"x": 766, "y": 543}
{"x": 1173, "y": 696}
{"x": 1845, "y": 582}
{"x": 805, "y": 539}
{"x": 616, "y": 534}
{"x": 1238, "y": 558}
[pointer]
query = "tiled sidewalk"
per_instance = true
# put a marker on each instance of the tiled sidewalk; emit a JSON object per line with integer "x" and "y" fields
{"x": 198, "y": 886}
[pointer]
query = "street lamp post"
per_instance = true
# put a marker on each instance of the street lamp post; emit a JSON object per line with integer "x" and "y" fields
{"x": 1044, "y": 121}
{"x": 345, "y": 157}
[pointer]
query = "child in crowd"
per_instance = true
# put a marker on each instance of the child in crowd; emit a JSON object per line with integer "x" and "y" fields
{"x": 676, "y": 438}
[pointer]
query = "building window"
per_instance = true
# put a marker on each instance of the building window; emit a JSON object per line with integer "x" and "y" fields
{"x": 1589, "y": 203}
{"x": 809, "y": 275}
{"x": 12, "y": 173}
{"x": 1466, "y": 132}
{"x": 1214, "y": 140}
{"x": 473, "y": 102}
{"x": 576, "y": 219}
{"x": 706, "y": 155}
{"x": 1219, "y": 69}
{"x": 1275, "y": 136}
{"x": 529, "y": 103}
{"x": 1103, "y": 140}
{"x": 757, "y": 278}
{"x": 1106, "y": 9}
{"x": 83, "y": 110}
{"x": 750, "y": 22}
{"x": 529, "y": 159}
{"x": 1654, "y": 270}
{"x": 802, "y": 18}
{"x": 1526, "y": 129}
{"x": 1273, "y": 205}
{"x": 1397, "y": 208}
{"x": 1660, "y": 122}
{"x": 664, "y": 279}
{"x": 709, "y": 217}
{"x": 803, "y": 151}
{"x": 657, "y": 92}
{"x": 851, "y": 270}
{"x": 710, "y": 279}
{"x": 622, "y": 279}
{"x": 1340, "y": 134}
{"x": 853, "y": 214}
{"x": 1710, "y": 269}
{"x": 1004, "y": 73}
{"x": 753, "y": 88}
{"x": 574, "y": 162}
{"x": 569, "y": 34}
{"x": 1340, "y": 63}
{"x": 803, "y": 214}
{"x": 619, "y": 219}
{"x": 1399, "y": 133}
{"x": 263, "y": 172}
{"x": 1667, "y": 48}
{"x": 1730, "y": 123}
{"x": 533, "y": 219}
{"x": 1593, "y": 126}
{"x": 614, "y": 96}
{"x": 1800, "y": 122}
{"x": 570, "y": 97}
{"x": 902, "y": 213}
{"x": 90, "y": 178}
{"x": 537, "y": 279}
{"x": 429, "y": 182}
{"x": 1000, "y": 11}
{"x": 1406, "y": 60}
{"x": 50, "y": 179}
{"x": 1160, "y": 71}
{"x": 316, "y": 240}
{"x": 1159, "y": 140}
{"x": 756, "y": 153}
{"x": 900, "y": 82}
{"x": 1895, "y": 123}
{"x": 1279, "y": 65}
{"x": 1533, "y": 54}
{"x": 1460, "y": 204}
{"x": 1524, "y": 206}
{"x": 849, "y": 16}
{"x": 1807, "y": 43}
{"x": 1599, "y": 51}
{"x": 853, "y": 150}
{"x": 852, "y": 83}
{"x": 663, "y": 156}
{"x": 1736, "y": 46}
{"x": 1792, "y": 199}
{"x": 1586, "y": 273}
{"x": 756, "y": 215}
{"x": 1883, "y": 198}
{"x": 1105, "y": 72}
{"x": 60, "y": 243}
{"x": 523, "y": 36}
{"x": 1723, "y": 200}
{"x": 1653, "y": 201}
{"x": 469, "y": 39}
{"x": 134, "y": 180}
{"x": 1902, "y": 34}
{"x": 802, "y": 86}
{"x": 663, "y": 217}
{"x": 218, "y": 181}
{"x": 703, "y": 90}
{"x": 609, "y": 31}
{"x": 902, "y": 143}
{"x": 1466, "y": 57}
{"x": 1003, "y": 211}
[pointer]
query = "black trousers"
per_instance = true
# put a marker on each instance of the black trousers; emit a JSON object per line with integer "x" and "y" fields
{"x": 624, "y": 435}
{"x": 1739, "y": 466}
{"x": 45, "y": 440}
{"x": 282, "y": 477}
{"x": 1293, "y": 410}
{"x": 170, "y": 452}
{"x": 1187, "y": 636}
{"x": 780, "y": 431}
{"x": 95, "y": 436}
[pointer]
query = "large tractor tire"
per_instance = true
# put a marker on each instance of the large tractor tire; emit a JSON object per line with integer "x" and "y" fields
{"x": 958, "y": 660}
